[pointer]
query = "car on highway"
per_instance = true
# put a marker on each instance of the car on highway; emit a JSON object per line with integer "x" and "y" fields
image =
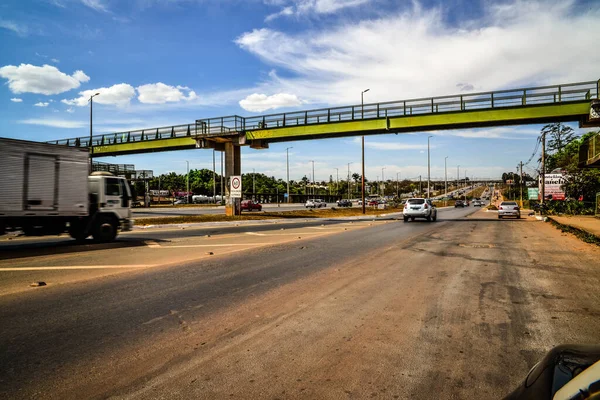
{"x": 344, "y": 203}
{"x": 459, "y": 203}
{"x": 315, "y": 203}
{"x": 419, "y": 208}
{"x": 249, "y": 205}
{"x": 373, "y": 203}
{"x": 509, "y": 209}
{"x": 477, "y": 203}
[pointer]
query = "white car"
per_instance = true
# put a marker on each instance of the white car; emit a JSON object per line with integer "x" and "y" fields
{"x": 315, "y": 203}
{"x": 509, "y": 209}
{"x": 419, "y": 208}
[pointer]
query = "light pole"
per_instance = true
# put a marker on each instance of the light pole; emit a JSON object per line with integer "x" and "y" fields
{"x": 349, "y": 185}
{"x": 214, "y": 179}
{"x": 91, "y": 100}
{"x": 337, "y": 181}
{"x": 253, "y": 183}
{"x": 397, "y": 185}
{"x": 428, "y": 168}
{"x": 457, "y": 176}
{"x": 446, "y": 177}
{"x": 287, "y": 167}
{"x": 382, "y": 183}
{"x": 187, "y": 195}
{"x": 465, "y": 185}
{"x": 362, "y": 185}
{"x": 313, "y": 176}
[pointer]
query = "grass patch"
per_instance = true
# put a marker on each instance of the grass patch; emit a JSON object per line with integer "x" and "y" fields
{"x": 580, "y": 233}
{"x": 248, "y": 216}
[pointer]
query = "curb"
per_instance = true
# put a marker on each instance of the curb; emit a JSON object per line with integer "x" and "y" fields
{"x": 582, "y": 234}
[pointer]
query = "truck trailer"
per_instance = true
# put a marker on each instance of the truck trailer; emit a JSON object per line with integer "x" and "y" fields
{"x": 45, "y": 189}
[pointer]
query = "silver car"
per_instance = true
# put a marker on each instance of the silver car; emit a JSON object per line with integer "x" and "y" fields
{"x": 509, "y": 209}
{"x": 419, "y": 208}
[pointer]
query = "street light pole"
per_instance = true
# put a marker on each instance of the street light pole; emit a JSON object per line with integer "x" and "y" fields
{"x": 214, "y": 178}
{"x": 313, "y": 176}
{"x": 457, "y": 176}
{"x": 187, "y": 195}
{"x": 446, "y": 177}
{"x": 253, "y": 183}
{"x": 287, "y": 167}
{"x": 337, "y": 181}
{"x": 349, "y": 184}
{"x": 362, "y": 185}
{"x": 428, "y": 168}
{"x": 382, "y": 183}
{"x": 91, "y": 149}
{"x": 397, "y": 185}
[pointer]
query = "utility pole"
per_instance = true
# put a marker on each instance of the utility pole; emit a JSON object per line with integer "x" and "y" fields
{"x": 397, "y": 185}
{"x": 362, "y": 185}
{"x": 446, "y": 176}
{"x": 457, "y": 176}
{"x": 428, "y": 168}
{"x": 543, "y": 168}
{"x": 420, "y": 186}
{"x": 90, "y": 143}
{"x": 337, "y": 181}
{"x": 382, "y": 183}
{"x": 287, "y": 167}
{"x": 349, "y": 183}
{"x": 253, "y": 183}
{"x": 521, "y": 183}
{"x": 313, "y": 176}
{"x": 187, "y": 195}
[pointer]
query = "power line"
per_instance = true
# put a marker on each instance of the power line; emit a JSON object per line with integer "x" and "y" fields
{"x": 537, "y": 147}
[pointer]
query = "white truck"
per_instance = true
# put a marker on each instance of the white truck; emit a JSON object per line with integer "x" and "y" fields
{"x": 45, "y": 190}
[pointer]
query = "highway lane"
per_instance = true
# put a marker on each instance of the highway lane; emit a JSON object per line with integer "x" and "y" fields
{"x": 454, "y": 309}
{"x": 178, "y": 211}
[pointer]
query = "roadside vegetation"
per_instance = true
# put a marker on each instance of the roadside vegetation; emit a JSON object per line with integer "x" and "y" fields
{"x": 249, "y": 216}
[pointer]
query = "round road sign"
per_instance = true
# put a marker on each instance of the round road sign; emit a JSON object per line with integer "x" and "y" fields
{"x": 235, "y": 183}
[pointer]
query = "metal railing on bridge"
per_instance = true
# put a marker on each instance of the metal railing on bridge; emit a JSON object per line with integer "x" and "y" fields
{"x": 223, "y": 126}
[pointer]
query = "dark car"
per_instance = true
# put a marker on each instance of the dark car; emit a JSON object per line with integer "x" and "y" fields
{"x": 459, "y": 203}
{"x": 249, "y": 205}
{"x": 373, "y": 203}
{"x": 344, "y": 203}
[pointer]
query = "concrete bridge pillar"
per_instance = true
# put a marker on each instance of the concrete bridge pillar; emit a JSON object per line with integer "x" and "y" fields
{"x": 233, "y": 166}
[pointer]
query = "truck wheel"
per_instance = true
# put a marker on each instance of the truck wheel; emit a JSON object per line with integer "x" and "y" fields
{"x": 405, "y": 219}
{"x": 105, "y": 230}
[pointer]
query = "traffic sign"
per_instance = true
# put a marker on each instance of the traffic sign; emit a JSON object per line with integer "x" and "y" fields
{"x": 235, "y": 189}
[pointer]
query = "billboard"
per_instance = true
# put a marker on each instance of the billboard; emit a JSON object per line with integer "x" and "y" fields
{"x": 553, "y": 189}
{"x": 533, "y": 193}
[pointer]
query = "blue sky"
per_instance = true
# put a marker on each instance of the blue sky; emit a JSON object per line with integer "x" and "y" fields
{"x": 166, "y": 62}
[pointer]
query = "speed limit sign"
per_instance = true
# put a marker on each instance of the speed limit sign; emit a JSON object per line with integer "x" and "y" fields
{"x": 235, "y": 189}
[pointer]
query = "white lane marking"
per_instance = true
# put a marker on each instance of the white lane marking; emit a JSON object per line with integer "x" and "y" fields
{"x": 255, "y": 233}
{"x": 75, "y": 267}
{"x": 210, "y": 245}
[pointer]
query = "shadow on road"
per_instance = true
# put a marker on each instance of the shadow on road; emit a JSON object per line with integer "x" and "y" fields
{"x": 64, "y": 246}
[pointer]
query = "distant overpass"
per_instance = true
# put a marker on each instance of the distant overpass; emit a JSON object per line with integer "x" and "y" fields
{"x": 564, "y": 103}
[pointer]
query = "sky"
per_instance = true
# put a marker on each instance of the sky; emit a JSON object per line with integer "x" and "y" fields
{"x": 169, "y": 62}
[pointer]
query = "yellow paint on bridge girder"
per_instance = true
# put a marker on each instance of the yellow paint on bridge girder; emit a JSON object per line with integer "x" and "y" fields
{"x": 430, "y": 121}
{"x": 146, "y": 146}
{"x": 459, "y": 119}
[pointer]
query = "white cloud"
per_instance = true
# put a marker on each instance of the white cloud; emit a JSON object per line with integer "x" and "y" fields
{"x": 70, "y": 110}
{"x": 19, "y": 29}
{"x": 16, "y": 100}
{"x": 261, "y": 102}
{"x": 54, "y": 123}
{"x": 119, "y": 95}
{"x": 41, "y": 104}
{"x": 159, "y": 93}
{"x": 56, "y": 61}
{"x": 310, "y": 7}
{"x": 97, "y": 5}
{"x": 512, "y": 44}
{"x": 47, "y": 79}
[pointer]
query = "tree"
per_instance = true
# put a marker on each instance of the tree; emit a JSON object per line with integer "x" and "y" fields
{"x": 560, "y": 135}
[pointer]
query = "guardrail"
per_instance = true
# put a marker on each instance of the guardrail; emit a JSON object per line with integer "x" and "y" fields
{"x": 544, "y": 95}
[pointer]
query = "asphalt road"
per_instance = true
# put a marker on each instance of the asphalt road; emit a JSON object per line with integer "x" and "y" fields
{"x": 460, "y": 308}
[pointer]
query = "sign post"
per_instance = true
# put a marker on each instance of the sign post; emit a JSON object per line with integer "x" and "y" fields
{"x": 235, "y": 187}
